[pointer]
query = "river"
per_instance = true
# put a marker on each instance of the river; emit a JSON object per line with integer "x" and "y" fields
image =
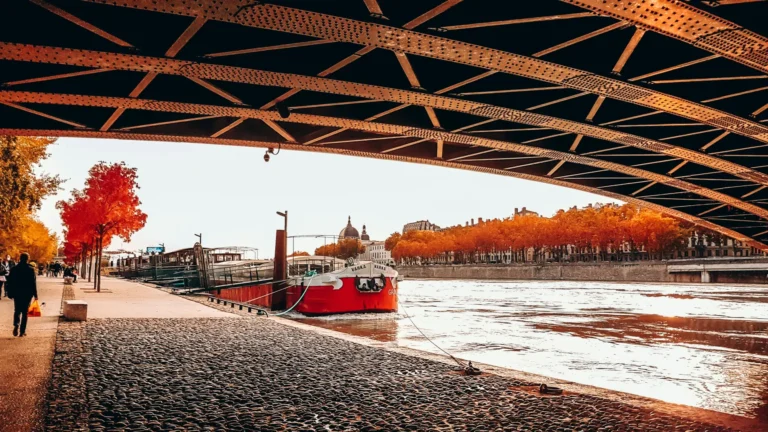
{"x": 699, "y": 345}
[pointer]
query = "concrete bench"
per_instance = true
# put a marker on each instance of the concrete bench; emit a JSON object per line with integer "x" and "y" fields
{"x": 75, "y": 310}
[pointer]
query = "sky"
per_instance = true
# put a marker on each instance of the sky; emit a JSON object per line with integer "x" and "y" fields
{"x": 230, "y": 195}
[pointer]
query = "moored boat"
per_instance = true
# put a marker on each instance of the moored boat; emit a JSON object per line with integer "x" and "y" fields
{"x": 359, "y": 287}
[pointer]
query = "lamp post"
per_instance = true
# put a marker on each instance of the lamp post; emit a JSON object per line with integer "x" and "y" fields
{"x": 199, "y": 238}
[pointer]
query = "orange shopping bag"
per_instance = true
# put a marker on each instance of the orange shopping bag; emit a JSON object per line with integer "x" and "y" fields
{"x": 34, "y": 309}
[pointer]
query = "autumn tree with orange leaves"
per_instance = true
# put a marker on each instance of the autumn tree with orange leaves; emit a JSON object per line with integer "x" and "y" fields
{"x": 343, "y": 249}
{"x": 599, "y": 232}
{"x": 107, "y": 207}
{"x": 22, "y": 190}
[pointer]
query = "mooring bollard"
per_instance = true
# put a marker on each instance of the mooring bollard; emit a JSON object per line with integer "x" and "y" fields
{"x": 241, "y": 307}
{"x": 218, "y": 301}
{"x": 249, "y": 310}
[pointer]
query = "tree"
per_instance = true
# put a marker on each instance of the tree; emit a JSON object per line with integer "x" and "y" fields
{"x": 107, "y": 207}
{"x": 298, "y": 254}
{"x": 345, "y": 248}
{"x": 32, "y": 237}
{"x": 22, "y": 190}
{"x": 391, "y": 241}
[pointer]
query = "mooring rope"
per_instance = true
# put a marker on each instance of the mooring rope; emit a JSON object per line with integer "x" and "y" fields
{"x": 299, "y": 300}
{"x": 408, "y": 315}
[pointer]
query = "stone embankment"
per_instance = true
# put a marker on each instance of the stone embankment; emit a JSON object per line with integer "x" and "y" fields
{"x": 255, "y": 373}
{"x": 639, "y": 271}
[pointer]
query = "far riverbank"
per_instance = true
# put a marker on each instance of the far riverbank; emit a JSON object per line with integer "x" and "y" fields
{"x": 634, "y": 271}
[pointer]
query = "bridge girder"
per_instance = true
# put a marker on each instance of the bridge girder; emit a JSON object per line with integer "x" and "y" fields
{"x": 390, "y": 91}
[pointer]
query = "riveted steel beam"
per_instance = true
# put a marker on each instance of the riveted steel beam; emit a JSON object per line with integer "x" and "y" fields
{"x": 425, "y": 161}
{"x": 15, "y": 97}
{"x": 371, "y": 35}
{"x": 517, "y": 21}
{"x": 154, "y": 65}
{"x": 689, "y": 24}
{"x": 55, "y": 77}
{"x": 80, "y": 23}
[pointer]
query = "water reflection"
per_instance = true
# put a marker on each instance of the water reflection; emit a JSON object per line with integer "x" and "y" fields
{"x": 705, "y": 346}
{"x": 382, "y": 329}
{"x": 741, "y": 335}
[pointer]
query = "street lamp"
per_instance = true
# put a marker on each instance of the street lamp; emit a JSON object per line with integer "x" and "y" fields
{"x": 199, "y": 238}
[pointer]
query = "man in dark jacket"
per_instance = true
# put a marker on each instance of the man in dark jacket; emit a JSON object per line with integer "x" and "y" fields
{"x": 22, "y": 284}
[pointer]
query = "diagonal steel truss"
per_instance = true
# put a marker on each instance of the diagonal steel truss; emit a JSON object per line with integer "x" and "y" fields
{"x": 689, "y": 24}
{"x": 371, "y": 35}
{"x": 381, "y": 128}
{"x": 460, "y": 148}
{"x": 429, "y": 161}
{"x": 190, "y": 69}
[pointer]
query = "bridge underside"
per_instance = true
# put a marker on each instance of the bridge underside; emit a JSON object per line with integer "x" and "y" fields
{"x": 661, "y": 103}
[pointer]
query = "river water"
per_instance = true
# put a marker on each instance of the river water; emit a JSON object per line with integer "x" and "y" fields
{"x": 698, "y": 345}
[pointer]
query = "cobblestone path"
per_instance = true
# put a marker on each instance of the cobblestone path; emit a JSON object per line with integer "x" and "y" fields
{"x": 257, "y": 374}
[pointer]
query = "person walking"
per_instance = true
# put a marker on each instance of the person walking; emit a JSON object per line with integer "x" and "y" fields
{"x": 8, "y": 264}
{"x": 22, "y": 286}
{"x": 3, "y": 273}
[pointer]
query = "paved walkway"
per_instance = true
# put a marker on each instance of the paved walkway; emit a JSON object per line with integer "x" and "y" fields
{"x": 147, "y": 360}
{"x": 123, "y": 299}
{"x": 25, "y": 363}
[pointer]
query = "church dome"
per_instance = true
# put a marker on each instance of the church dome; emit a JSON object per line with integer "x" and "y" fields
{"x": 349, "y": 231}
{"x": 365, "y": 236}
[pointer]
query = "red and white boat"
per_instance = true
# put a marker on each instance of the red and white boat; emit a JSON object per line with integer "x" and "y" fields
{"x": 360, "y": 287}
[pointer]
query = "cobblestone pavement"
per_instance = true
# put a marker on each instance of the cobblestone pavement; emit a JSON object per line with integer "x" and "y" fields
{"x": 257, "y": 374}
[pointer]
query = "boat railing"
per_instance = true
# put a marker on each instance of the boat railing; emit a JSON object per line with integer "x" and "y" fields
{"x": 237, "y": 274}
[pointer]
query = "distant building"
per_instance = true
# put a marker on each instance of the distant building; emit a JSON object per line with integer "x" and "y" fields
{"x": 374, "y": 249}
{"x": 524, "y": 212}
{"x": 349, "y": 232}
{"x": 422, "y": 225}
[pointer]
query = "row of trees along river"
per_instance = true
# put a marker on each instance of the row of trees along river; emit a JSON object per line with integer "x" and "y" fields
{"x": 594, "y": 232}
{"x": 22, "y": 191}
{"x": 106, "y": 207}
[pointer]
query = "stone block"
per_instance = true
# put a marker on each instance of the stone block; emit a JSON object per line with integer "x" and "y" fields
{"x": 68, "y": 280}
{"x": 75, "y": 310}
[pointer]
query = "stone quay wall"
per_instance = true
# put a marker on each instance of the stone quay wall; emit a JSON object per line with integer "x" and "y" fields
{"x": 646, "y": 271}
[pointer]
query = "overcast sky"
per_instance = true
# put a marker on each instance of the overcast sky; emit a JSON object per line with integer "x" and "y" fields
{"x": 230, "y": 194}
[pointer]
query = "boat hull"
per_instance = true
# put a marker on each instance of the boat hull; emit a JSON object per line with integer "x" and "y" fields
{"x": 328, "y": 300}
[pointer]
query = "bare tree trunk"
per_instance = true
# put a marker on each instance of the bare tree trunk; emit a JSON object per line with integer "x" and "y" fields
{"x": 97, "y": 276}
{"x": 90, "y": 265}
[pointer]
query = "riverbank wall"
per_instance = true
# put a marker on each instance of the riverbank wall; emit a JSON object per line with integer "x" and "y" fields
{"x": 644, "y": 271}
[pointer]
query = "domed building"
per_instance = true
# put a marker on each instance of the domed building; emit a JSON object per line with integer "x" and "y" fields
{"x": 374, "y": 249}
{"x": 349, "y": 232}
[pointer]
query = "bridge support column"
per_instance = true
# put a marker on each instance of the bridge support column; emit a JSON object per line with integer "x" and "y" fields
{"x": 704, "y": 276}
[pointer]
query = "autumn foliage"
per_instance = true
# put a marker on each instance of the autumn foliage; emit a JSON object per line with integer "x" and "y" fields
{"x": 298, "y": 254}
{"x": 22, "y": 190}
{"x": 601, "y": 232}
{"x": 346, "y": 248}
{"x": 107, "y": 207}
